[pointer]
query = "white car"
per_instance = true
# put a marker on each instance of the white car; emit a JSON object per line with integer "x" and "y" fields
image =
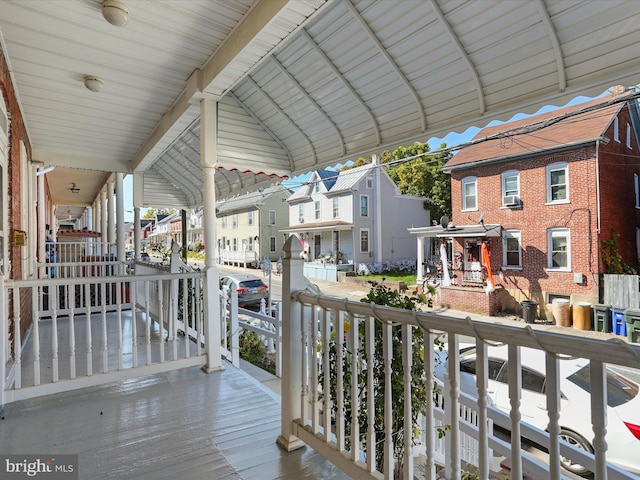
{"x": 623, "y": 399}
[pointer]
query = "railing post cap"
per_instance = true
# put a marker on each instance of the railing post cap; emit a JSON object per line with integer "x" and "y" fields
{"x": 292, "y": 247}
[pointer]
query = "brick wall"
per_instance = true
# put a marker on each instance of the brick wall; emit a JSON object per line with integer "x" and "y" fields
{"x": 613, "y": 164}
{"x": 17, "y": 133}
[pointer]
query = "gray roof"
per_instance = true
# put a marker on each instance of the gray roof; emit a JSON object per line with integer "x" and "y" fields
{"x": 249, "y": 200}
{"x": 348, "y": 179}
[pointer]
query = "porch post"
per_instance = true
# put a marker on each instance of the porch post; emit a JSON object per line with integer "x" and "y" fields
{"x": 89, "y": 211}
{"x": 136, "y": 233}
{"x": 120, "y": 218}
{"x": 98, "y": 222}
{"x": 291, "y": 386}
{"x": 42, "y": 233}
{"x": 209, "y": 161}
{"x": 420, "y": 260}
{"x": 111, "y": 214}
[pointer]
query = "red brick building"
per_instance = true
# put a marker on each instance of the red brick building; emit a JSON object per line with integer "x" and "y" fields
{"x": 544, "y": 193}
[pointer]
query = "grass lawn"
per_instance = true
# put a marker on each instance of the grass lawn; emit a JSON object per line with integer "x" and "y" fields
{"x": 408, "y": 279}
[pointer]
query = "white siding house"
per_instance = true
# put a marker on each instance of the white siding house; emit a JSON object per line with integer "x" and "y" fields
{"x": 355, "y": 216}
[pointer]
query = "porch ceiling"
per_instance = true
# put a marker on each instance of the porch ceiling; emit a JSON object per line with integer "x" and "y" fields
{"x": 301, "y": 84}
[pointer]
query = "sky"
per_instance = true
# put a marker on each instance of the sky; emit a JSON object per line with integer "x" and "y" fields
{"x": 450, "y": 139}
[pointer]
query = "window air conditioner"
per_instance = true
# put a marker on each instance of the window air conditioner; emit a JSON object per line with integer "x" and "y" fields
{"x": 301, "y": 220}
{"x": 510, "y": 200}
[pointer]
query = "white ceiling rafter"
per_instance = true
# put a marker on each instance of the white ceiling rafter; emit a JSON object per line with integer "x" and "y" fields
{"x": 346, "y": 84}
{"x": 310, "y": 99}
{"x": 390, "y": 61}
{"x": 277, "y": 108}
{"x": 453, "y": 38}
{"x": 557, "y": 48}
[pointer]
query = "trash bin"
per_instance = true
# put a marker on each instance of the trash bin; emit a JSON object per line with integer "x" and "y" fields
{"x": 561, "y": 312}
{"x": 582, "y": 315}
{"x": 618, "y": 322}
{"x": 602, "y": 318}
{"x": 529, "y": 309}
{"x": 632, "y": 318}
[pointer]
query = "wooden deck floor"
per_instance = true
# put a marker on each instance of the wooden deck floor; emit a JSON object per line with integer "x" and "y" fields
{"x": 182, "y": 424}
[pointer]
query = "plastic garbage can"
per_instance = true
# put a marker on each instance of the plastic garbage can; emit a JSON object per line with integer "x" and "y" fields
{"x": 618, "y": 322}
{"x": 602, "y": 318}
{"x": 632, "y": 318}
{"x": 561, "y": 312}
{"x": 529, "y": 310}
{"x": 582, "y": 315}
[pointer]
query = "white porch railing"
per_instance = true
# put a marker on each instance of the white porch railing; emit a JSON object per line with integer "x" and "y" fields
{"x": 240, "y": 258}
{"x": 325, "y": 414}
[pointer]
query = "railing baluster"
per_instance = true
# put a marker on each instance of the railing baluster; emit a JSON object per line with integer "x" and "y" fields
{"x": 482, "y": 376}
{"x": 54, "y": 335}
{"x": 103, "y": 329}
{"x": 598, "y": 379}
{"x": 430, "y": 424}
{"x": 307, "y": 314}
{"x": 72, "y": 341}
{"x": 515, "y": 392}
{"x": 387, "y": 355}
{"x": 36, "y": 335}
{"x": 132, "y": 299}
{"x": 326, "y": 369}
{"x": 313, "y": 359}
{"x": 88, "y": 338}
{"x": 17, "y": 337}
{"x": 552, "y": 387}
{"x": 407, "y": 362}
{"x": 339, "y": 328}
{"x": 198, "y": 317}
{"x": 185, "y": 316}
{"x": 355, "y": 404}
{"x": 371, "y": 401}
{"x": 147, "y": 324}
{"x": 452, "y": 408}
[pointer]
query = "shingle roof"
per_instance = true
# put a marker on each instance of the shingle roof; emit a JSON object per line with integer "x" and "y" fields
{"x": 546, "y": 131}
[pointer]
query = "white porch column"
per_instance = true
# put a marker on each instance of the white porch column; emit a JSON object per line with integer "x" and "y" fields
{"x": 208, "y": 161}
{"x": 293, "y": 279}
{"x": 42, "y": 233}
{"x": 104, "y": 217}
{"x": 111, "y": 216}
{"x": 120, "y": 216}
{"x": 420, "y": 260}
{"x": 90, "y": 218}
{"x": 136, "y": 233}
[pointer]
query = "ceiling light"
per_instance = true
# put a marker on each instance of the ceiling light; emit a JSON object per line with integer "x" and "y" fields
{"x": 115, "y": 13}
{"x": 93, "y": 83}
{"x": 74, "y": 188}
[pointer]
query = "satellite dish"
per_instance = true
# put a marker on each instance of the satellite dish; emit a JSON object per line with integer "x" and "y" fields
{"x": 444, "y": 221}
{"x": 481, "y": 219}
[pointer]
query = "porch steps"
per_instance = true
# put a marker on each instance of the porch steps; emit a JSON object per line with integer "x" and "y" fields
{"x": 506, "y": 469}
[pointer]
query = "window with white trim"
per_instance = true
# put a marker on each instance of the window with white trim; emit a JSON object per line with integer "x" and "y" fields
{"x": 336, "y": 207}
{"x": 636, "y": 187}
{"x": 234, "y": 220}
{"x": 470, "y": 193}
{"x": 510, "y": 187}
{"x": 364, "y": 240}
{"x": 511, "y": 251}
{"x": 559, "y": 249}
{"x": 272, "y": 244}
{"x": 235, "y": 245}
{"x": 616, "y": 129}
{"x": 628, "y": 136}
{"x": 300, "y": 212}
{"x": 369, "y": 183}
{"x": 223, "y": 221}
{"x": 250, "y": 244}
{"x": 250, "y": 217}
{"x": 364, "y": 205}
{"x": 317, "y": 209}
{"x": 558, "y": 183}
{"x": 272, "y": 218}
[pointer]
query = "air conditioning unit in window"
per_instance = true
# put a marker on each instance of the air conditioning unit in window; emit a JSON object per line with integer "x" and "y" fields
{"x": 301, "y": 220}
{"x": 510, "y": 200}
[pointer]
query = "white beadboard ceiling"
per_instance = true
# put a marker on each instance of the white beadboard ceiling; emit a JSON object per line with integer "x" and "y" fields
{"x": 301, "y": 84}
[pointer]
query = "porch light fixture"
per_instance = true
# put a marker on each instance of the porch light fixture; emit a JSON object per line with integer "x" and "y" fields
{"x": 116, "y": 13}
{"x": 93, "y": 83}
{"x": 74, "y": 188}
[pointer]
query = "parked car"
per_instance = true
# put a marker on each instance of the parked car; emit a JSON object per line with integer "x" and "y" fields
{"x": 623, "y": 401}
{"x": 251, "y": 289}
{"x": 144, "y": 256}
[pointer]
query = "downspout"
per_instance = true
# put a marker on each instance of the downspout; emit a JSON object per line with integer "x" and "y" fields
{"x": 597, "y": 187}
{"x": 378, "y": 202}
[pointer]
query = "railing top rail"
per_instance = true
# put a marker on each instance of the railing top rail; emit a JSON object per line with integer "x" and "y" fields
{"x": 98, "y": 280}
{"x": 615, "y": 351}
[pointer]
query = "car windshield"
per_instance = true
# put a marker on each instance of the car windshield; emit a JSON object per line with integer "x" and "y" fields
{"x": 257, "y": 283}
{"x": 619, "y": 389}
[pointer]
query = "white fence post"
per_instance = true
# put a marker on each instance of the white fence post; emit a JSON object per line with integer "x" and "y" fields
{"x": 292, "y": 279}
